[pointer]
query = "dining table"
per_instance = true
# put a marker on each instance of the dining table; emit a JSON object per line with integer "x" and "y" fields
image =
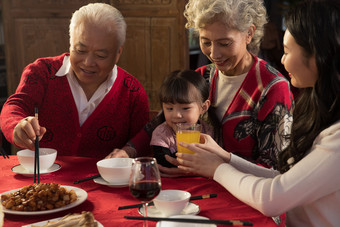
{"x": 103, "y": 201}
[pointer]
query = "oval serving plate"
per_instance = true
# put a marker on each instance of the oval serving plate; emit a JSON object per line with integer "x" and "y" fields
{"x": 81, "y": 197}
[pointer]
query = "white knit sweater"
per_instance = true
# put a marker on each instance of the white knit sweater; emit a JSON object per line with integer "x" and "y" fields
{"x": 309, "y": 192}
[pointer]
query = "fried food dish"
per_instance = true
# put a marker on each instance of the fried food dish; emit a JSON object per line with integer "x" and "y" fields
{"x": 38, "y": 197}
{"x": 85, "y": 219}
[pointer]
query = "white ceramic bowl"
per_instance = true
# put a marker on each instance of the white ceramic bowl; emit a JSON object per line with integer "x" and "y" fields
{"x": 171, "y": 202}
{"x": 47, "y": 157}
{"x": 115, "y": 170}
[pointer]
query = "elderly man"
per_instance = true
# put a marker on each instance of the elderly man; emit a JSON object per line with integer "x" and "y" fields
{"x": 87, "y": 104}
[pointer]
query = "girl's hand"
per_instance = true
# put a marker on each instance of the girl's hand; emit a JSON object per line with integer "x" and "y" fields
{"x": 172, "y": 172}
{"x": 208, "y": 156}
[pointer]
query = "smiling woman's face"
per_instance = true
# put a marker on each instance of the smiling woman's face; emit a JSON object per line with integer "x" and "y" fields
{"x": 224, "y": 46}
{"x": 93, "y": 54}
{"x": 301, "y": 69}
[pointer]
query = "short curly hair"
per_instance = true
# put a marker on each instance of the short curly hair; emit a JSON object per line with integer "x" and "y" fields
{"x": 237, "y": 14}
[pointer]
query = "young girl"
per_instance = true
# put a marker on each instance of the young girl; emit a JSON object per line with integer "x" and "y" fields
{"x": 184, "y": 97}
{"x": 308, "y": 184}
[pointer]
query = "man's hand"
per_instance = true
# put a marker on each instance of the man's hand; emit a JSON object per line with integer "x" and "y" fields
{"x": 25, "y": 132}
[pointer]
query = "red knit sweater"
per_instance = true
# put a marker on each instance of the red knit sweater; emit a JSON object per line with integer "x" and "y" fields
{"x": 259, "y": 117}
{"x": 120, "y": 115}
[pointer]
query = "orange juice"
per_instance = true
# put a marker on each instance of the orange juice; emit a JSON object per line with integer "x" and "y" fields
{"x": 188, "y": 137}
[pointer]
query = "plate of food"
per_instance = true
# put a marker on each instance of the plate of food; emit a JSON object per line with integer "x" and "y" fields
{"x": 86, "y": 218}
{"x": 43, "y": 198}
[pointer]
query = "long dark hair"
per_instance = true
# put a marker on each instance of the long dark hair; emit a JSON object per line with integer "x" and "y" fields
{"x": 315, "y": 26}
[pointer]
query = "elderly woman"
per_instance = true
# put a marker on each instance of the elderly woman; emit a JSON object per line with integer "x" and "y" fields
{"x": 252, "y": 100}
{"x": 87, "y": 104}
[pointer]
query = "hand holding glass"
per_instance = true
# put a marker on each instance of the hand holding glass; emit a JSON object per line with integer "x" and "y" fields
{"x": 188, "y": 133}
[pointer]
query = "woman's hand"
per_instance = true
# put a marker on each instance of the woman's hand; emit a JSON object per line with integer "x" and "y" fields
{"x": 25, "y": 132}
{"x": 207, "y": 157}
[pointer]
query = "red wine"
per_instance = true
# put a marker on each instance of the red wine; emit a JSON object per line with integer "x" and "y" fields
{"x": 145, "y": 191}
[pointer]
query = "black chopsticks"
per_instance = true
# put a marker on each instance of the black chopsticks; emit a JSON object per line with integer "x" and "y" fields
{"x": 36, "y": 154}
{"x": 151, "y": 203}
{"x": 3, "y": 153}
{"x": 190, "y": 220}
{"x": 86, "y": 179}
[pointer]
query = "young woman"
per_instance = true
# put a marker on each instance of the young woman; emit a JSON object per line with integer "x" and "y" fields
{"x": 307, "y": 186}
{"x": 252, "y": 100}
{"x": 184, "y": 97}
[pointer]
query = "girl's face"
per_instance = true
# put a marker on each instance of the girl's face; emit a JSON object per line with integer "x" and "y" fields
{"x": 301, "y": 69}
{"x": 226, "y": 47}
{"x": 184, "y": 113}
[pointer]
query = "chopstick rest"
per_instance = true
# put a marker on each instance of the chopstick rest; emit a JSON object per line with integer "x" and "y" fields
{"x": 190, "y": 220}
{"x": 151, "y": 203}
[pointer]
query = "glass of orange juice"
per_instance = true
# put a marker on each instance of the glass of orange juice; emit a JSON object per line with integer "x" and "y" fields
{"x": 188, "y": 133}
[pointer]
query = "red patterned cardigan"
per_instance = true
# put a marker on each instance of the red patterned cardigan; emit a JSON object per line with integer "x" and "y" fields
{"x": 122, "y": 113}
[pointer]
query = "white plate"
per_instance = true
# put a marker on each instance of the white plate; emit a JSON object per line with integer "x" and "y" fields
{"x": 42, "y": 223}
{"x": 21, "y": 170}
{"x": 101, "y": 181}
{"x": 81, "y": 197}
{"x": 152, "y": 211}
{"x": 180, "y": 224}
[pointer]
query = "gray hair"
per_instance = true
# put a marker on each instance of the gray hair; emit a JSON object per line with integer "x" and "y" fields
{"x": 236, "y": 14}
{"x": 103, "y": 15}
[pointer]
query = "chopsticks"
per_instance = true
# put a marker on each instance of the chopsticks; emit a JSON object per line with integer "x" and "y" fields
{"x": 3, "y": 153}
{"x": 36, "y": 154}
{"x": 151, "y": 203}
{"x": 86, "y": 179}
{"x": 190, "y": 220}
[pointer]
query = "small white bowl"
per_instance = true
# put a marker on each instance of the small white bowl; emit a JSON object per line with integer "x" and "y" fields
{"x": 171, "y": 202}
{"x": 47, "y": 157}
{"x": 115, "y": 170}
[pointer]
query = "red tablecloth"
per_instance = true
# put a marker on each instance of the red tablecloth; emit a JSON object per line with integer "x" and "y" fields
{"x": 103, "y": 201}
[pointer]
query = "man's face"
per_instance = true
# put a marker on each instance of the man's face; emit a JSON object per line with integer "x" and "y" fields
{"x": 93, "y": 54}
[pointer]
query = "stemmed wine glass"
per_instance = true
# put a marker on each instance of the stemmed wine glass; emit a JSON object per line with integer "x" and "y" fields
{"x": 145, "y": 181}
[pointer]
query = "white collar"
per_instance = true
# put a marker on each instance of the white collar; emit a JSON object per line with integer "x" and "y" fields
{"x": 65, "y": 70}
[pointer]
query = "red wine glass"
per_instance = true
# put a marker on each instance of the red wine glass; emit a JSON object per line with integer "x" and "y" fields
{"x": 145, "y": 181}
